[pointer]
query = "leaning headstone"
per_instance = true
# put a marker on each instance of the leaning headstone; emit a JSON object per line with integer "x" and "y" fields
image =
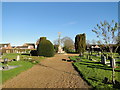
{"x": 103, "y": 59}
{"x": 18, "y": 58}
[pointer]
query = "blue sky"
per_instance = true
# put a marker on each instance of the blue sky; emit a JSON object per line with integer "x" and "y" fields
{"x": 24, "y": 22}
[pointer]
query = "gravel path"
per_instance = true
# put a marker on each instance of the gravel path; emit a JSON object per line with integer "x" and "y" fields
{"x": 50, "y": 73}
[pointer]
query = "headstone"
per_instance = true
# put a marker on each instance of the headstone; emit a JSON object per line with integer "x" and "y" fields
{"x": 112, "y": 62}
{"x": 87, "y": 56}
{"x": 18, "y": 58}
{"x": 5, "y": 61}
{"x": 103, "y": 59}
{"x": 106, "y": 55}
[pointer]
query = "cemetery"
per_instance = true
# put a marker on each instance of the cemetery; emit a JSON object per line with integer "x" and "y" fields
{"x": 96, "y": 70}
{"x": 97, "y": 67}
{"x": 72, "y": 45}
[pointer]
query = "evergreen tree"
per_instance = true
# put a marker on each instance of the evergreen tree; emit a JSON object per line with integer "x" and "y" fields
{"x": 80, "y": 43}
{"x": 45, "y": 48}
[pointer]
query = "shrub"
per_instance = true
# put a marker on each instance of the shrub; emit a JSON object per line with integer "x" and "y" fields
{"x": 68, "y": 50}
{"x": 33, "y": 52}
{"x": 45, "y": 48}
{"x": 42, "y": 38}
{"x": 80, "y": 43}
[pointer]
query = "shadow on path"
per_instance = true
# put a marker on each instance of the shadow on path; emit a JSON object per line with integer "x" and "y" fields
{"x": 58, "y": 70}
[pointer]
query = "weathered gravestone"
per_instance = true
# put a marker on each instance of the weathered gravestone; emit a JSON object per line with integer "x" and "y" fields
{"x": 112, "y": 62}
{"x": 103, "y": 59}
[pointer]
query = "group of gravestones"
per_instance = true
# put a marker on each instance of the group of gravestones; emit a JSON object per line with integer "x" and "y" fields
{"x": 6, "y": 62}
{"x": 111, "y": 60}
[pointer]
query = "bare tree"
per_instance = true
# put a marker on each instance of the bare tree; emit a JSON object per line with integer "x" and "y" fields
{"x": 56, "y": 42}
{"x": 94, "y": 42}
{"x": 67, "y": 43}
{"x": 107, "y": 32}
{"x": 88, "y": 43}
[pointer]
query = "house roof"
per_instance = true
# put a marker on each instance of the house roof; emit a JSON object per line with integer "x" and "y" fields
{"x": 22, "y": 47}
{"x": 4, "y": 43}
{"x": 29, "y": 43}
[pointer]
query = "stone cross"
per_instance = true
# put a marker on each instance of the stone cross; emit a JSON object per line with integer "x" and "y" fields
{"x": 59, "y": 35}
{"x": 60, "y": 50}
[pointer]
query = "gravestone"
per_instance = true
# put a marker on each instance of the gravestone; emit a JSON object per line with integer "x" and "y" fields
{"x": 5, "y": 61}
{"x": 103, "y": 59}
{"x": 99, "y": 53}
{"x": 87, "y": 56}
{"x": 106, "y": 55}
{"x": 18, "y": 58}
{"x": 112, "y": 62}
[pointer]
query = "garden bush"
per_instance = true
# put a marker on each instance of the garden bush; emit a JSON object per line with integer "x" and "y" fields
{"x": 33, "y": 52}
{"x": 68, "y": 50}
{"x": 45, "y": 48}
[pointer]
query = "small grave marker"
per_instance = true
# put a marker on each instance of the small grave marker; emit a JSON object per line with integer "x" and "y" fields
{"x": 5, "y": 61}
{"x": 103, "y": 59}
{"x": 18, "y": 58}
{"x": 112, "y": 62}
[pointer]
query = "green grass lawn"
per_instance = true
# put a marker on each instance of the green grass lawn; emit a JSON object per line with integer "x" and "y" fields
{"x": 11, "y": 56}
{"x": 94, "y": 72}
{"x": 23, "y": 64}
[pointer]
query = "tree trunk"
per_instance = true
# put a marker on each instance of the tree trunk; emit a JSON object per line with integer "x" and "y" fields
{"x": 113, "y": 72}
{"x": 113, "y": 76}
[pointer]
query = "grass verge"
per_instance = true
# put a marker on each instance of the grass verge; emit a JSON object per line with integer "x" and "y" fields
{"x": 94, "y": 73}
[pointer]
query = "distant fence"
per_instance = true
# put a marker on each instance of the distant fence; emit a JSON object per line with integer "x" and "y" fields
{"x": 16, "y": 50}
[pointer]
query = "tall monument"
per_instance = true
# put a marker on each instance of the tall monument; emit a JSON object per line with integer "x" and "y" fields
{"x": 60, "y": 50}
